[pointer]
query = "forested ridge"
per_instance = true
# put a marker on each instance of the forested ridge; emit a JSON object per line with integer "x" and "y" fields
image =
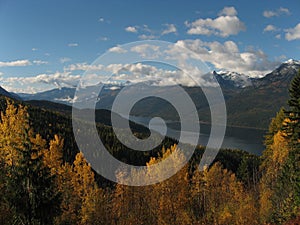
{"x": 44, "y": 179}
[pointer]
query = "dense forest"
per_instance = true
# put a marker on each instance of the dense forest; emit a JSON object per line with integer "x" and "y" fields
{"x": 45, "y": 179}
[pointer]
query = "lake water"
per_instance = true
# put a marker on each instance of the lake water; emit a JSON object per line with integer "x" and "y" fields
{"x": 248, "y": 139}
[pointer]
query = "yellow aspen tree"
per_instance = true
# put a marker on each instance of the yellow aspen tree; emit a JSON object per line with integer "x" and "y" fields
{"x": 226, "y": 200}
{"x": 272, "y": 164}
{"x": 29, "y": 184}
{"x": 69, "y": 200}
{"x": 53, "y": 157}
{"x": 100, "y": 202}
{"x": 172, "y": 194}
{"x": 13, "y": 122}
{"x": 84, "y": 185}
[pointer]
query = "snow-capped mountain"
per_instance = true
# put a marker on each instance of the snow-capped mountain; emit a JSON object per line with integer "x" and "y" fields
{"x": 233, "y": 79}
{"x": 292, "y": 62}
{"x": 282, "y": 75}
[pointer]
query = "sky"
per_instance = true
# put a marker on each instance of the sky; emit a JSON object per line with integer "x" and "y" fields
{"x": 49, "y": 44}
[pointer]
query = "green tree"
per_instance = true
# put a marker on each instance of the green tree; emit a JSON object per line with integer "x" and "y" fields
{"x": 287, "y": 192}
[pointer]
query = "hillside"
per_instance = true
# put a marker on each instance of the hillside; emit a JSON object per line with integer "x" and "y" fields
{"x": 251, "y": 102}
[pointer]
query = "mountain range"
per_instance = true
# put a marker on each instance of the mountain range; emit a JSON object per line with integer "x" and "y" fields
{"x": 250, "y": 102}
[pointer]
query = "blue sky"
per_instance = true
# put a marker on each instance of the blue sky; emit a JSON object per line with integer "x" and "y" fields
{"x": 41, "y": 40}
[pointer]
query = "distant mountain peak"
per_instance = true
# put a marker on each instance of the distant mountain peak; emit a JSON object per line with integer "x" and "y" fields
{"x": 292, "y": 62}
{"x": 235, "y": 79}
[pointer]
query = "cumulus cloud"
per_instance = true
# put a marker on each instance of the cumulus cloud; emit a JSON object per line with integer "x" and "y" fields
{"x": 64, "y": 79}
{"x": 227, "y": 56}
{"x": 143, "y": 73}
{"x": 73, "y": 44}
{"x": 293, "y": 33}
{"x": 117, "y": 49}
{"x": 23, "y": 62}
{"x": 131, "y": 29}
{"x": 269, "y": 28}
{"x": 146, "y": 50}
{"x": 228, "y": 11}
{"x": 225, "y": 25}
{"x": 101, "y": 20}
{"x": 170, "y": 28}
{"x": 278, "y": 12}
{"x": 58, "y": 79}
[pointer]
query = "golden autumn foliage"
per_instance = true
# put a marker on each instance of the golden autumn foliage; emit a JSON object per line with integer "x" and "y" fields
{"x": 53, "y": 157}
{"x": 212, "y": 196}
{"x": 222, "y": 199}
{"x": 12, "y": 130}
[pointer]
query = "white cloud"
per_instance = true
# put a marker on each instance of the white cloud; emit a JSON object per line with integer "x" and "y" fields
{"x": 228, "y": 11}
{"x": 117, "y": 49}
{"x": 284, "y": 11}
{"x": 40, "y": 62}
{"x": 148, "y": 37}
{"x": 58, "y": 79}
{"x": 278, "y": 12}
{"x": 293, "y": 33}
{"x": 64, "y": 60}
{"x": 278, "y": 36}
{"x": 1, "y": 73}
{"x": 23, "y": 62}
{"x": 137, "y": 73}
{"x": 39, "y": 83}
{"x": 66, "y": 99}
{"x": 34, "y": 49}
{"x": 170, "y": 28}
{"x": 225, "y": 25}
{"x": 131, "y": 29}
{"x": 269, "y": 14}
{"x": 73, "y": 44}
{"x": 146, "y": 50}
{"x": 101, "y": 20}
{"x": 83, "y": 66}
{"x": 269, "y": 28}
{"x": 227, "y": 56}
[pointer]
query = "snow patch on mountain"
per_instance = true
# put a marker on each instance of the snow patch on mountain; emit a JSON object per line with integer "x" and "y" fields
{"x": 237, "y": 79}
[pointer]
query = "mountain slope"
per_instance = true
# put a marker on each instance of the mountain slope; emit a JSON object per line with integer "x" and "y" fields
{"x": 250, "y": 102}
{"x": 8, "y": 94}
{"x": 257, "y": 104}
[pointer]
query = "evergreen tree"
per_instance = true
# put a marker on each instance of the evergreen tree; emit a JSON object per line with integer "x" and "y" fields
{"x": 288, "y": 187}
{"x": 292, "y": 125}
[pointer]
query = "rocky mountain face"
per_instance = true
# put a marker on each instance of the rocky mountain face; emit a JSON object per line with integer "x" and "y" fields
{"x": 282, "y": 75}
